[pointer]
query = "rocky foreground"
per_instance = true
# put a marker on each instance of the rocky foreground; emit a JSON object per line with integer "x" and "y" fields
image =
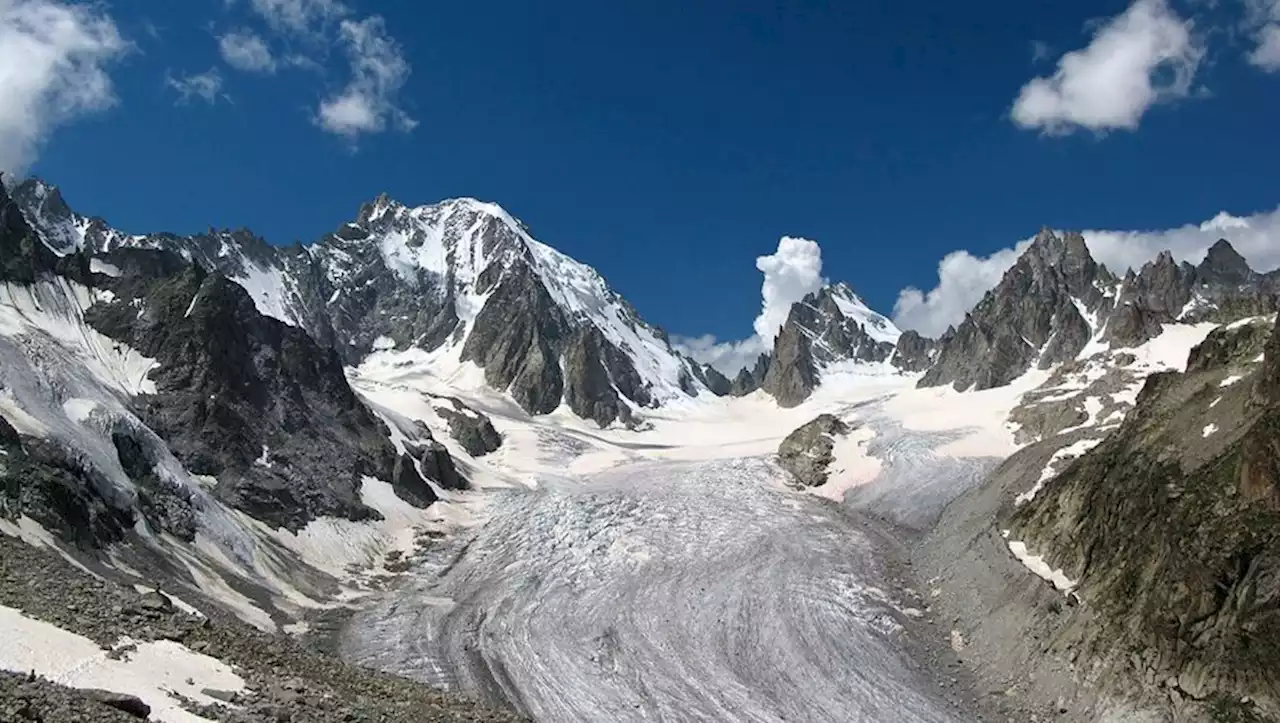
{"x": 285, "y": 681}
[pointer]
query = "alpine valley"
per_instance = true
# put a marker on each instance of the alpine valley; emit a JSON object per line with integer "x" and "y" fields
{"x": 430, "y": 468}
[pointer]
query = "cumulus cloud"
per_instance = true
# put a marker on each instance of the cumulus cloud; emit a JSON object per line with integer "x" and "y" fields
{"x": 305, "y": 18}
{"x": 245, "y": 50}
{"x": 1144, "y": 56}
{"x": 964, "y": 278}
{"x": 368, "y": 103}
{"x": 726, "y": 357}
{"x": 53, "y": 61}
{"x": 206, "y": 86}
{"x": 790, "y": 273}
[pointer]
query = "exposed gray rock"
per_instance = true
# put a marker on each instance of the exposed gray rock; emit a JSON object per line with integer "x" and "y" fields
{"x": 590, "y": 392}
{"x": 1032, "y": 316}
{"x": 712, "y": 379}
{"x": 749, "y": 380}
{"x": 914, "y": 353}
{"x": 124, "y": 703}
{"x": 817, "y": 333}
{"x": 473, "y": 430}
{"x": 247, "y": 399}
{"x": 1170, "y": 525}
{"x": 806, "y": 452}
{"x": 437, "y": 464}
{"x": 516, "y": 340}
{"x": 792, "y": 373}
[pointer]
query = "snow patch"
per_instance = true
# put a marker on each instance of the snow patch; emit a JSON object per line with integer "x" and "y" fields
{"x": 152, "y": 672}
{"x": 1230, "y": 380}
{"x": 98, "y": 266}
{"x": 851, "y": 465}
{"x": 1208, "y": 430}
{"x": 1037, "y": 565}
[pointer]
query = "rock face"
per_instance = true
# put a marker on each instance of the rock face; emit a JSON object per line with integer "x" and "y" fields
{"x": 239, "y": 396}
{"x": 749, "y": 380}
{"x": 473, "y": 430}
{"x": 1034, "y": 317}
{"x": 247, "y": 399}
{"x": 1056, "y": 299}
{"x": 914, "y": 353}
{"x": 829, "y": 326}
{"x": 1172, "y": 524}
{"x": 807, "y": 452}
{"x": 458, "y": 274}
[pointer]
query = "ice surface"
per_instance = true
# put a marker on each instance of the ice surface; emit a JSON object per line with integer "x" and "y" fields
{"x": 664, "y": 591}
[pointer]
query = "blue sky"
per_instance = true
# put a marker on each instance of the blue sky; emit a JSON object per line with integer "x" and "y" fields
{"x": 669, "y": 143}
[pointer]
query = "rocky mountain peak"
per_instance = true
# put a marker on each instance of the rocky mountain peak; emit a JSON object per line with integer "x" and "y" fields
{"x": 828, "y": 326}
{"x": 1223, "y": 264}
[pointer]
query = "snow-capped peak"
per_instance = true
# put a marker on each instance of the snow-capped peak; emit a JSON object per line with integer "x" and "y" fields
{"x": 877, "y": 326}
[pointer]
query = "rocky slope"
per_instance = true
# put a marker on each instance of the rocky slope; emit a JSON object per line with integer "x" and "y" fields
{"x": 1170, "y": 528}
{"x": 460, "y": 279}
{"x": 1123, "y": 565}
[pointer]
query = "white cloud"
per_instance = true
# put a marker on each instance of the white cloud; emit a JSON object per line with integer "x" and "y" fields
{"x": 378, "y": 71}
{"x": 728, "y": 357}
{"x": 1264, "y": 23}
{"x": 790, "y": 273}
{"x": 299, "y": 17}
{"x": 963, "y": 278}
{"x": 243, "y": 49}
{"x": 53, "y": 59}
{"x": 1144, "y": 56}
{"x": 206, "y": 86}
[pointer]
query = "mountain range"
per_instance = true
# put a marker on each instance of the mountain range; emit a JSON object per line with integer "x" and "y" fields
{"x": 465, "y": 281}
{"x": 199, "y": 398}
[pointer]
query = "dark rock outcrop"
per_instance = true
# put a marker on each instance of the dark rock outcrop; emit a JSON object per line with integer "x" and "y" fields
{"x": 250, "y": 400}
{"x": 914, "y": 353}
{"x": 1032, "y": 317}
{"x": 473, "y": 430}
{"x": 818, "y": 333}
{"x": 749, "y": 380}
{"x": 807, "y": 452}
{"x": 590, "y": 392}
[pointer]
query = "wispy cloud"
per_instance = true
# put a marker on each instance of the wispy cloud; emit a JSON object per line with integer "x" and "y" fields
{"x": 1263, "y": 24}
{"x": 1145, "y": 56}
{"x": 53, "y": 68}
{"x": 305, "y": 18}
{"x": 368, "y": 103}
{"x": 206, "y": 86}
